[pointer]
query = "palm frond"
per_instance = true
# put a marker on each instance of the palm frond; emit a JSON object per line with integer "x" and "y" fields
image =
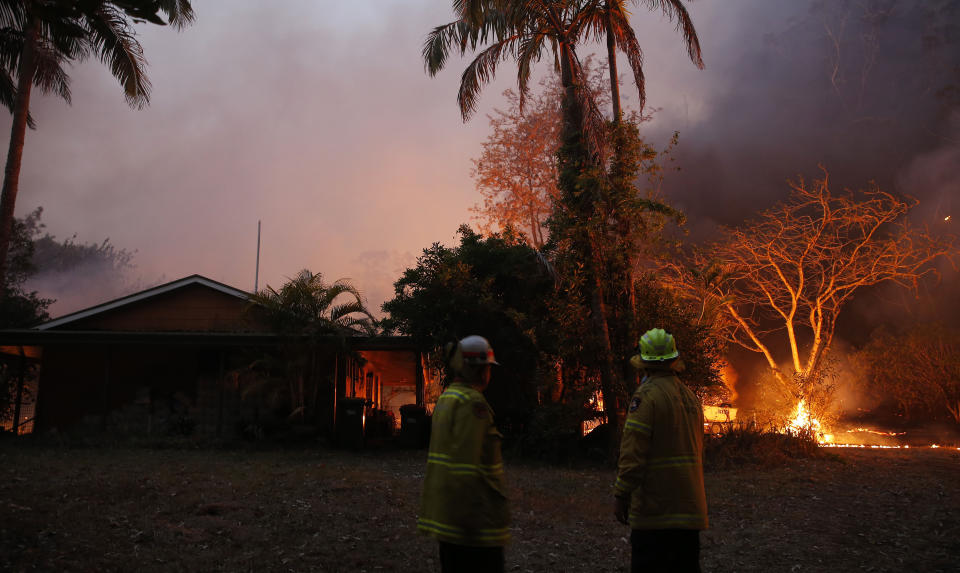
{"x": 480, "y": 72}
{"x": 49, "y": 76}
{"x": 437, "y": 46}
{"x": 528, "y": 52}
{"x": 179, "y": 12}
{"x": 113, "y": 40}
{"x": 675, "y": 9}
{"x": 13, "y": 14}
{"x": 627, "y": 42}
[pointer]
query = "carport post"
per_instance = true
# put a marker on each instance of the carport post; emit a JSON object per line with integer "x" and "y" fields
{"x": 419, "y": 389}
{"x": 220, "y": 385}
{"x": 108, "y": 357}
{"x": 16, "y": 407}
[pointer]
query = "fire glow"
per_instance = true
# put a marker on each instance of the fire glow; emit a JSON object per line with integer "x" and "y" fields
{"x": 803, "y": 421}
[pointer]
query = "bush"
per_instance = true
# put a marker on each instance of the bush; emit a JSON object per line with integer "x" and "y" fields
{"x": 748, "y": 444}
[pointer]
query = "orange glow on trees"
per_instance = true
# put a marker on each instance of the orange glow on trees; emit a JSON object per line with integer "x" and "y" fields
{"x": 517, "y": 169}
{"x": 783, "y": 279}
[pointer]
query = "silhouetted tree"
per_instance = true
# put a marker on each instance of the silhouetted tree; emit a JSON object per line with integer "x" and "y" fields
{"x": 40, "y": 36}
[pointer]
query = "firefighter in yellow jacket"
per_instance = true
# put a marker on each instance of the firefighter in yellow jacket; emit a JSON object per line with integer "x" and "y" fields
{"x": 659, "y": 487}
{"x": 464, "y": 505}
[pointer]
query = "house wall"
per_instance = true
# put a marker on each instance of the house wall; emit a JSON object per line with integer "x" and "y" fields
{"x": 138, "y": 391}
{"x": 193, "y": 308}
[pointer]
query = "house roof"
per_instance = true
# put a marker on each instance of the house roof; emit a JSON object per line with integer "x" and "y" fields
{"x": 79, "y": 332}
{"x": 141, "y": 296}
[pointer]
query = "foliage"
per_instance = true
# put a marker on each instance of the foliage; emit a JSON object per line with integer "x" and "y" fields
{"x": 603, "y": 229}
{"x": 497, "y": 287}
{"x": 59, "y": 269}
{"x": 917, "y": 367}
{"x": 311, "y": 313}
{"x": 308, "y": 306}
{"x": 613, "y": 22}
{"x": 589, "y": 196}
{"x": 517, "y": 173}
{"x": 21, "y": 308}
{"x": 784, "y": 278}
{"x": 38, "y": 38}
{"x": 748, "y": 444}
{"x": 701, "y": 350}
{"x": 75, "y": 272}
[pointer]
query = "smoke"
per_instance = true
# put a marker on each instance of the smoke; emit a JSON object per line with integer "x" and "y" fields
{"x": 377, "y": 272}
{"x": 862, "y": 88}
{"x": 870, "y": 90}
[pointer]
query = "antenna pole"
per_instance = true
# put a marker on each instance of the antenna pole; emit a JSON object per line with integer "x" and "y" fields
{"x": 256, "y": 277}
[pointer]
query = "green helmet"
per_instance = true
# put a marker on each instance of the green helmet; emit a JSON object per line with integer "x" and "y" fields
{"x": 657, "y": 345}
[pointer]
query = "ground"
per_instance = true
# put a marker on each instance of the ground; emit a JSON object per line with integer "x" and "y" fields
{"x": 324, "y": 510}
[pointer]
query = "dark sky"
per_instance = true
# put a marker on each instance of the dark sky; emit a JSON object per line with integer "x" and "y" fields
{"x": 317, "y": 118}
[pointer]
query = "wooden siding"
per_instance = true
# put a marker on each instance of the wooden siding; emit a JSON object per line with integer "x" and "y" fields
{"x": 193, "y": 308}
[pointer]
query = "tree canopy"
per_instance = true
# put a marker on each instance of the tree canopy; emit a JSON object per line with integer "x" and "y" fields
{"x": 782, "y": 280}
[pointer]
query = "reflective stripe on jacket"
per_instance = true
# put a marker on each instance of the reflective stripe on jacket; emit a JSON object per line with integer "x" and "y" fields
{"x": 661, "y": 465}
{"x": 464, "y": 500}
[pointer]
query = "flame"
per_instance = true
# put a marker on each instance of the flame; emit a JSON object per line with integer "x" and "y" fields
{"x": 803, "y": 421}
{"x": 877, "y": 432}
{"x": 729, "y": 378}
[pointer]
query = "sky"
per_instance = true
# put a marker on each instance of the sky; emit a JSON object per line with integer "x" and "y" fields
{"x": 316, "y": 118}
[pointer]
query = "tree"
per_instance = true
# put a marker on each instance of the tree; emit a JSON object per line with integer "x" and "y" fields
{"x": 917, "y": 367}
{"x": 619, "y": 35}
{"x": 309, "y": 311}
{"x": 517, "y": 170}
{"x": 23, "y": 308}
{"x": 497, "y": 287}
{"x": 76, "y": 274}
{"x": 783, "y": 279}
{"x": 40, "y": 36}
{"x": 525, "y": 30}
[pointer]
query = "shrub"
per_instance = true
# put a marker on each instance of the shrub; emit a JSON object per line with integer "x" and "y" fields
{"x": 749, "y": 444}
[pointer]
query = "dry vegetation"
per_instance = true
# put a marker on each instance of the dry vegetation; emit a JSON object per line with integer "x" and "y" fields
{"x": 321, "y": 510}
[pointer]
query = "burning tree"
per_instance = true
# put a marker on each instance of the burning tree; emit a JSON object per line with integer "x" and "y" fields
{"x": 782, "y": 280}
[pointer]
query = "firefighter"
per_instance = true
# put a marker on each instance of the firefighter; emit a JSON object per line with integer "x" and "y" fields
{"x": 659, "y": 488}
{"x": 464, "y": 505}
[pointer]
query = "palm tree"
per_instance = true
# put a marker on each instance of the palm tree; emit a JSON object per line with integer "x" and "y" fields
{"x": 306, "y": 310}
{"x": 306, "y": 305}
{"x": 37, "y": 37}
{"x": 524, "y": 30}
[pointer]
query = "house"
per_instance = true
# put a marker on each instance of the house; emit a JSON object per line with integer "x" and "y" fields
{"x": 176, "y": 358}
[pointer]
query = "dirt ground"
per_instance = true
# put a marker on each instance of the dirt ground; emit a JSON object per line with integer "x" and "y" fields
{"x": 322, "y": 510}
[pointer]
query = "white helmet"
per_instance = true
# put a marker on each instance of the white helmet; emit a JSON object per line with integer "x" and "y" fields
{"x": 477, "y": 351}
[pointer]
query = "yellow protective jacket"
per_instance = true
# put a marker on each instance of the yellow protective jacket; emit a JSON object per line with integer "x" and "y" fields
{"x": 661, "y": 456}
{"x": 464, "y": 500}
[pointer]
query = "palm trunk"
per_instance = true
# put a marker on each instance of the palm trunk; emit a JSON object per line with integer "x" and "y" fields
{"x": 612, "y": 60}
{"x": 18, "y": 131}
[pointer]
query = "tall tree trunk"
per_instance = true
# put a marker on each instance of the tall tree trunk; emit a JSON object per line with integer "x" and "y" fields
{"x": 612, "y": 60}
{"x": 585, "y": 210}
{"x": 18, "y": 131}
